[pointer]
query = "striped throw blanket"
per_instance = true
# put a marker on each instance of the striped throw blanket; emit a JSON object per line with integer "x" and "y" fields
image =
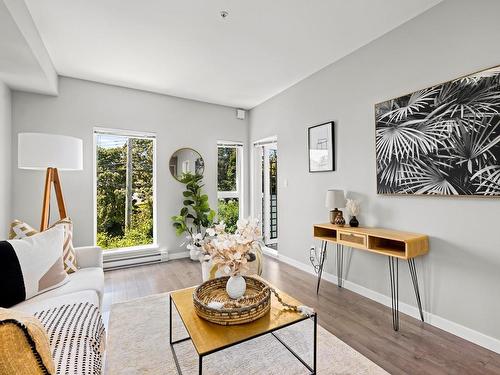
{"x": 77, "y": 338}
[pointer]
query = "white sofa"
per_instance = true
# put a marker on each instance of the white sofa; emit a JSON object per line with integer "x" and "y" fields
{"x": 72, "y": 317}
{"x": 85, "y": 285}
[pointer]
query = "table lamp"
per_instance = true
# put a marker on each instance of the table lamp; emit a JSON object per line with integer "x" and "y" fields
{"x": 53, "y": 153}
{"x": 334, "y": 200}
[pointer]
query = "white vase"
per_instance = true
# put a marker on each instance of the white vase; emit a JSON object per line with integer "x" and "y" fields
{"x": 236, "y": 286}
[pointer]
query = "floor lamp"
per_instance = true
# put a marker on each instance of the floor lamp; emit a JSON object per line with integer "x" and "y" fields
{"x": 53, "y": 153}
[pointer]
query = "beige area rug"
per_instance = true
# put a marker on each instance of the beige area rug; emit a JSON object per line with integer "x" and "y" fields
{"x": 138, "y": 343}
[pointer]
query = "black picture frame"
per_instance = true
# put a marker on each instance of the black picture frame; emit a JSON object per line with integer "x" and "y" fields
{"x": 323, "y": 137}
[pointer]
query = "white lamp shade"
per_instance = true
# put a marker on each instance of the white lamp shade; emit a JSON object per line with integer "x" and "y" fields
{"x": 40, "y": 151}
{"x": 335, "y": 199}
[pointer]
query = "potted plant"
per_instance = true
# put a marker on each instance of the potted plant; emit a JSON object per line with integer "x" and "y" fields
{"x": 196, "y": 215}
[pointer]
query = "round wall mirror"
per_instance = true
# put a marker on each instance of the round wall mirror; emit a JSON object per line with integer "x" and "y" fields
{"x": 186, "y": 160}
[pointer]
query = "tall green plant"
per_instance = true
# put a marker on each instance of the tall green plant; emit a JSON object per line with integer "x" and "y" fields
{"x": 196, "y": 214}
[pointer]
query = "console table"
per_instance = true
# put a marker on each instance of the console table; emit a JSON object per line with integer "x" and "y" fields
{"x": 393, "y": 244}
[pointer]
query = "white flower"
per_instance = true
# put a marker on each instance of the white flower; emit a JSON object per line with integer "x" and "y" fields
{"x": 220, "y": 228}
{"x": 229, "y": 251}
{"x": 241, "y": 223}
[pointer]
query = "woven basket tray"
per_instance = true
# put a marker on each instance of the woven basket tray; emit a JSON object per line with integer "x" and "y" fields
{"x": 255, "y": 303}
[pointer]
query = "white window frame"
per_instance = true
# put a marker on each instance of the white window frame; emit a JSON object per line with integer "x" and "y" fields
{"x": 132, "y": 134}
{"x": 239, "y": 193}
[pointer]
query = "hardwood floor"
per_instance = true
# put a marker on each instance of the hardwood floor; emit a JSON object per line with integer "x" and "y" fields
{"x": 362, "y": 323}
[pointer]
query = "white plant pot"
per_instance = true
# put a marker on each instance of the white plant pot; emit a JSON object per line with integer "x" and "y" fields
{"x": 236, "y": 286}
{"x": 194, "y": 254}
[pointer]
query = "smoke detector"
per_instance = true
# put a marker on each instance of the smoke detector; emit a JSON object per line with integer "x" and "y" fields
{"x": 224, "y": 14}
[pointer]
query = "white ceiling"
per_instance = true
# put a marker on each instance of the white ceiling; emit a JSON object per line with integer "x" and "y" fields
{"x": 24, "y": 62}
{"x": 184, "y": 48}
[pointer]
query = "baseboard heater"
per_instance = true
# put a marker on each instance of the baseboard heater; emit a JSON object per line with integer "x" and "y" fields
{"x": 113, "y": 261}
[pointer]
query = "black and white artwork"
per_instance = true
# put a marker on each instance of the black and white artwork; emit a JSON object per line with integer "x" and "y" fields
{"x": 321, "y": 148}
{"x": 443, "y": 140}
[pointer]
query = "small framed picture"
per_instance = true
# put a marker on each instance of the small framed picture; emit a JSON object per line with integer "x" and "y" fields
{"x": 321, "y": 147}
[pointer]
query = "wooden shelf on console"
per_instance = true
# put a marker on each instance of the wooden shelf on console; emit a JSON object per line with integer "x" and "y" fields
{"x": 403, "y": 245}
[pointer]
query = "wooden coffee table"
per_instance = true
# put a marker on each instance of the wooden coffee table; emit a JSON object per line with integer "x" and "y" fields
{"x": 209, "y": 338}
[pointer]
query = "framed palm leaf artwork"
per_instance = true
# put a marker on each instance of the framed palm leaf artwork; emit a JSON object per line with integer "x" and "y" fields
{"x": 443, "y": 140}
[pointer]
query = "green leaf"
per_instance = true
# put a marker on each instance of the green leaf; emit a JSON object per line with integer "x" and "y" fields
{"x": 211, "y": 215}
{"x": 188, "y": 202}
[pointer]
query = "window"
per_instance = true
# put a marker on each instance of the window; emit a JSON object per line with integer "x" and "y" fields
{"x": 229, "y": 183}
{"x": 124, "y": 189}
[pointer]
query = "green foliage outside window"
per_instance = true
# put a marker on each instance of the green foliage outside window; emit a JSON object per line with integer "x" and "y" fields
{"x": 114, "y": 228}
{"x": 229, "y": 210}
{"x": 226, "y": 169}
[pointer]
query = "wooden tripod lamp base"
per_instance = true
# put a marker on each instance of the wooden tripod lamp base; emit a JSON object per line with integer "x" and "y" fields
{"x": 52, "y": 177}
{"x": 51, "y": 152}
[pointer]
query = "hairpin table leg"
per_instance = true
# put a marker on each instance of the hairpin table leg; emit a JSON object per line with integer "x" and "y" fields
{"x": 414, "y": 279}
{"x": 393, "y": 274}
{"x": 340, "y": 265}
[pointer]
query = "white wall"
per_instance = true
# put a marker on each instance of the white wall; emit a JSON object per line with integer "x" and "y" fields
{"x": 460, "y": 277}
{"x": 82, "y": 105}
{"x": 5, "y": 159}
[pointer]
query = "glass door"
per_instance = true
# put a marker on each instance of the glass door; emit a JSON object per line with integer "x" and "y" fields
{"x": 265, "y": 189}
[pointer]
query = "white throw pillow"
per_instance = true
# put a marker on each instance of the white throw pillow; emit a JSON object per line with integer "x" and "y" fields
{"x": 31, "y": 266}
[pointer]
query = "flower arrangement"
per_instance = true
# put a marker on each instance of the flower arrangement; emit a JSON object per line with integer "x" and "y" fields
{"x": 232, "y": 252}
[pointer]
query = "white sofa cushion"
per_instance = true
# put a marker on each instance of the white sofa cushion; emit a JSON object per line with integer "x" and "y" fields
{"x": 19, "y": 230}
{"x": 88, "y": 256}
{"x": 32, "y": 306}
{"x": 31, "y": 266}
{"x": 85, "y": 279}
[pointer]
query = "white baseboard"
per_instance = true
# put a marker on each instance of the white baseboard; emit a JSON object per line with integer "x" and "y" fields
{"x": 133, "y": 257}
{"x": 270, "y": 252}
{"x": 435, "y": 320}
{"x": 182, "y": 254}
